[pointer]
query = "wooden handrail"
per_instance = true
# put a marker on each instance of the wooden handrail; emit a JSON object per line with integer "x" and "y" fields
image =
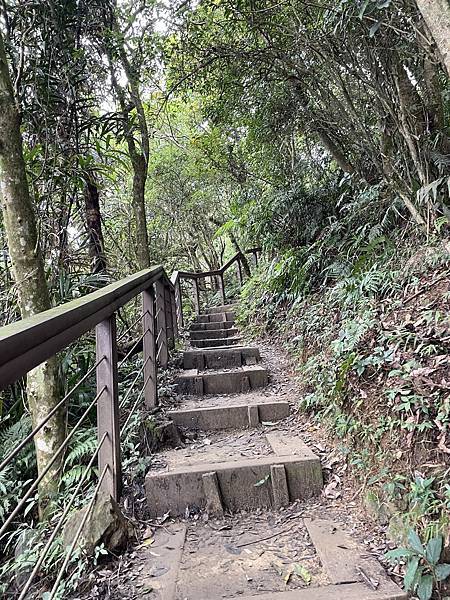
{"x": 27, "y": 343}
{"x": 196, "y": 275}
{"x": 201, "y": 274}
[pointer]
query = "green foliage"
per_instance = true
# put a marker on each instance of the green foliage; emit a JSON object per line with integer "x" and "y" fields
{"x": 359, "y": 352}
{"x": 423, "y": 569}
{"x": 15, "y": 476}
{"x": 82, "y": 447}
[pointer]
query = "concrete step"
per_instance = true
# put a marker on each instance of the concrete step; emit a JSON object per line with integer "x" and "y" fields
{"x": 216, "y": 317}
{"x": 236, "y": 381}
{"x": 216, "y": 342}
{"x": 245, "y": 560}
{"x": 221, "y": 309}
{"x": 212, "y": 326}
{"x": 218, "y": 358}
{"x": 273, "y": 480}
{"x": 213, "y": 334}
{"x": 236, "y": 416}
{"x": 350, "y": 591}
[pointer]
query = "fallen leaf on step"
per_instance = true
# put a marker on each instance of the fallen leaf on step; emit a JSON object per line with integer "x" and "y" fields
{"x": 145, "y": 543}
{"x": 288, "y": 576}
{"x": 262, "y": 481}
{"x": 303, "y": 572}
{"x": 232, "y": 549}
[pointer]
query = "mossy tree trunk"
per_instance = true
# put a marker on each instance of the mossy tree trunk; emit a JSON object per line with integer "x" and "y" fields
{"x": 130, "y": 99}
{"x": 436, "y": 14}
{"x": 29, "y": 276}
{"x": 94, "y": 225}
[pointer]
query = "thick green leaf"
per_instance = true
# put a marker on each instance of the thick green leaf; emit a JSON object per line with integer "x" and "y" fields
{"x": 375, "y": 27}
{"x": 425, "y": 588}
{"x": 442, "y": 572}
{"x": 434, "y": 549}
{"x": 363, "y": 8}
{"x": 410, "y": 574}
{"x": 415, "y": 543}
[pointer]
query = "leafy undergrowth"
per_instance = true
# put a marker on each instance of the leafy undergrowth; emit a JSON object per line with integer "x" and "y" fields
{"x": 372, "y": 348}
{"x": 142, "y": 432}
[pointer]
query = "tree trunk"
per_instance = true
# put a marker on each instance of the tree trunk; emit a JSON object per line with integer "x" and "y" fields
{"x": 436, "y": 14}
{"x": 315, "y": 127}
{"x": 138, "y": 158}
{"x": 29, "y": 275}
{"x": 94, "y": 227}
{"x": 139, "y": 180}
{"x": 333, "y": 149}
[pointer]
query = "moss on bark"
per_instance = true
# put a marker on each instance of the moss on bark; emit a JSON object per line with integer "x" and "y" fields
{"x": 29, "y": 276}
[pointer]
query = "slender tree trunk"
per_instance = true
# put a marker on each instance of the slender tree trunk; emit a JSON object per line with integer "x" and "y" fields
{"x": 333, "y": 149}
{"x": 94, "y": 226}
{"x": 436, "y": 14}
{"x": 29, "y": 275}
{"x": 140, "y": 217}
{"x": 139, "y": 159}
{"x": 315, "y": 127}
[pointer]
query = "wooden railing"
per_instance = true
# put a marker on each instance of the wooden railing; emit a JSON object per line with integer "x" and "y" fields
{"x": 29, "y": 342}
{"x": 218, "y": 274}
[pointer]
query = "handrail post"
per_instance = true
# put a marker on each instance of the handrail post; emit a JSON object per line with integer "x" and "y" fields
{"x": 161, "y": 325}
{"x": 222, "y": 288}
{"x": 149, "y": 348}
{"x": 196, "y": 296}
{"x": 108, "y": 406}
{"x": 239, "y": 270}
{"x": 173, "y": 304}
{"x": 179, "y": 303}
{"x": 169, "y": 318}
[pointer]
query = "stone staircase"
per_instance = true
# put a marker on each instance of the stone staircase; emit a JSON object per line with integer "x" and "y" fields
{"x": 232, "y": 464}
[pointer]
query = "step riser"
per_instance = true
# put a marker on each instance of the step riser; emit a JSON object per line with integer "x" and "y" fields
{"x": 225, "y": 358}
{"x": 216, "y": 343}
{"x": 216, "y": 318}
{"x": 224, "y": 308}
{"x": 230, "y": 417}
{"x": 214, "y": 326}
{"x": 213, "y": 334}
{"x": 222, "y": 383}
{"x": 175, "y": 491}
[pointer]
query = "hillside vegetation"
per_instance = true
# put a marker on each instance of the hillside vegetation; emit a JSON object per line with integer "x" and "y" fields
{"x": 370, "y": 348}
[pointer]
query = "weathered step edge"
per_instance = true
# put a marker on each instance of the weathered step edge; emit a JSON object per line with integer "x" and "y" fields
{"x": 207, "y": 334}
{"x": 351, "y": 591}
{"x": 221, "y": 358}
{"x": 236, "y": 416}
{"x": 242, "y": 484}
{"x": 347, "y": 562}
{"x": 220, "y": 309}
{"x": 222, "y": 382}
{"x": 216, "y": 343}
{"x": 216, "y": 317}
{"x": 211, "y": 325}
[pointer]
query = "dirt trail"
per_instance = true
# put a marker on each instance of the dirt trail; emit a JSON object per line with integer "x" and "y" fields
{"x": 231, "y": 540}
